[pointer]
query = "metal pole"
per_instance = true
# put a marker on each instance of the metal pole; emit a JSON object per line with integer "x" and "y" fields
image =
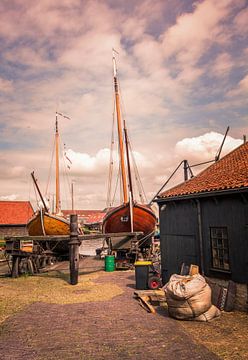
{"x": 185, "y": 168}
{"x": 74, "y": 249}
{"x": 154, "y": 197}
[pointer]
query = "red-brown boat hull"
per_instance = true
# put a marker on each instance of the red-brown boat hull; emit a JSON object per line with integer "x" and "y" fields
{"x": 143, "y": 219}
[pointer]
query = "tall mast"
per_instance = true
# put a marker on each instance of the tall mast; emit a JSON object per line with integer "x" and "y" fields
{"x": 128, "y": 163}
{"x": 72, "y": 197}
{"x": 57, "y": 166}
{"x": 119, "y": 125}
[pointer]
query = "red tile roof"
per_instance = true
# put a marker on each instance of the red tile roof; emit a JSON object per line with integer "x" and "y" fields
{"x": 95, "y": 218}
{"x": 15, "y": 212}
{"x": 89, "y": 216}
{"x": 230, "y": 172}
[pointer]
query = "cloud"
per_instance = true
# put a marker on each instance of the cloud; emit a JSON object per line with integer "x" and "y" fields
{"x": 6, "y": 86}
{"x": 241, "y": 89}
{"x": 182, "y": 69}
{"x": 84, "y": 164}
{"x": 240, "y": 22}
{"x": 11, "y": 197}
{"x": 194, "y": 33}
{"x": 204, "y": 147}
{"x": 222, "y": 65}
{"x": 87, "y": 165}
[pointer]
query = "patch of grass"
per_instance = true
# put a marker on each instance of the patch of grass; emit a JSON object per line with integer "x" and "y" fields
{"x": 227, "y": 336}
{"x": 51, "y": 288}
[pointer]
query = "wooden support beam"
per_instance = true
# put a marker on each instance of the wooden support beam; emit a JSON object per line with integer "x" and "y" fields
{"x": 80, "y": 237}
{"x": 74, "y": 249}
{"x": 15, "y": 266}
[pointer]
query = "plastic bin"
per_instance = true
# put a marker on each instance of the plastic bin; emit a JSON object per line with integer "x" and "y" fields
{"x": 142, "y": 274}
{"x": 109, "y": 263}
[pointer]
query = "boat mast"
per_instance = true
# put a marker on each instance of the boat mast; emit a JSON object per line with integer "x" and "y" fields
{"x": 39, "y": 192}
{"x": 57, "y": 166}
{"x": 128, "y": 163}
{"x": 119, "y": 125}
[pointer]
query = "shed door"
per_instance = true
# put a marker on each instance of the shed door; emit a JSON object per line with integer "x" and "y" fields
{"x": 178, "y": 249}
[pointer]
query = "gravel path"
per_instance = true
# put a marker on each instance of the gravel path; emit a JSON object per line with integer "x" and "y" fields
{"x": 116, "y": 329}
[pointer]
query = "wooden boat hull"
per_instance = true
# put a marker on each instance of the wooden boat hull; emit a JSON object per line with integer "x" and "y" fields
{"x": 46, "y": 224}
{"x": 119, "y": 220}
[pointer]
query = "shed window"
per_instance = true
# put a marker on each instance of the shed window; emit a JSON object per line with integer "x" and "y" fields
{"x": 220, "y": 248}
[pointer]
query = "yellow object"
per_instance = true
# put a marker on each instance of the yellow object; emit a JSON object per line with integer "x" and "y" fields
{"x": 26, "y": 245}
{"x": 141, "y": 263}
{"x": 193, "y": 270}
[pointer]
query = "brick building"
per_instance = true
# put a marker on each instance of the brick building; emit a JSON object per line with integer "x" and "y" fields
{"x": 14, "y": 216}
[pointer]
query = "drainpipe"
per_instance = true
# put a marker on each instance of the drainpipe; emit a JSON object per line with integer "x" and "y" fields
{"x": 199, "y": 217}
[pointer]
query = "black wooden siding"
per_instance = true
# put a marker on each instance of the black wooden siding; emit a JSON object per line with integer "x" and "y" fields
{"x": 179, "y": 232}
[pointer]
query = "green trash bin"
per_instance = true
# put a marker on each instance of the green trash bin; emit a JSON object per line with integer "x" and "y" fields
{"x": 142, "y": 274}
{"x": 109, "y": 263}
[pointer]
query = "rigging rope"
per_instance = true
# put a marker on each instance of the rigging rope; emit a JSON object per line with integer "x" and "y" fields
{"x": 116, "y": 185}
{"x": 141, "y": 190}
{"x": 66, "y": 175}
{"x": 50, "y": 168}
{"x": 111, "y": 162}
{"x": 138, "y": 183}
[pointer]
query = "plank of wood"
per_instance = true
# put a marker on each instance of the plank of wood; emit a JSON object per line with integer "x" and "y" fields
{"x": 145, "y": 304}
{"x": 193, "y": 270}
{"x": 158, "y": 292}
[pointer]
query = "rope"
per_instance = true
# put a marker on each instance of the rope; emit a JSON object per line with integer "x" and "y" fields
{"x": 138, "y": 183}
{"x": 141, "y": 190}
{"x": 111, "y": 163}
{"x": 116, "y": 185}
{"x": 50, "y": 168}
{"x": 67, "y": 176}
{"x": 142, "y": 240}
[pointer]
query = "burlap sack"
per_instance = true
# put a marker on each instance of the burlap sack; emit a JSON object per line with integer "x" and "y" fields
{"x": 183, "y": 287}
{"x": 187, "y": 297}
{"x": 209, "y": 315}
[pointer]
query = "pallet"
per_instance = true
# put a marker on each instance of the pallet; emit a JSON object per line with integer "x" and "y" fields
{"x": 149, "y": 298}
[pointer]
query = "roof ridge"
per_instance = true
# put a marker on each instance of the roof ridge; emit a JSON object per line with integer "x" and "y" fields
{"x": 217, "y": 175}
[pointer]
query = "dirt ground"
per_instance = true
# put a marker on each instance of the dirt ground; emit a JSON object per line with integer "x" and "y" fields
{"x": 45, "y": 318}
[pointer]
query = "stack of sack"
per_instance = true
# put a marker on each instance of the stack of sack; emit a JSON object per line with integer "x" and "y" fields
{"x": 189, "y": 298}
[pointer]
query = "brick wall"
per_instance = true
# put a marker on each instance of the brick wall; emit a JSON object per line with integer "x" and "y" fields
{"x": 13, "y": 231}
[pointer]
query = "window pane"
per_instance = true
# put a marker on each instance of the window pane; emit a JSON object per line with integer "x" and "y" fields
{"x": 220, "y": 249}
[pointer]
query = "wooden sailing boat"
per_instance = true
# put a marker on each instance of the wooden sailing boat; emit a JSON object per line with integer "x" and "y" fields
{"x": 44, "y": 222}
{"x": 129, "y": 216}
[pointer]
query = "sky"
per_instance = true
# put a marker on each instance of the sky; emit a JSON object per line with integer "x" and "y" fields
{"x": 183, "y": 72}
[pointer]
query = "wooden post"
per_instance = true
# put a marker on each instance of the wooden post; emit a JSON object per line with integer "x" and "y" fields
{"x": 74, "y": 249}
{"x": 15, "y": 266}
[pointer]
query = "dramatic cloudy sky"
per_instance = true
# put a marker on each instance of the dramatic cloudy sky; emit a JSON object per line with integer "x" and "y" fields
{"x": 183, "y": 73}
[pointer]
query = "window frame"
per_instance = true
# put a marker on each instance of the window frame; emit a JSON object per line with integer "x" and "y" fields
{"x": 220, "y": 254}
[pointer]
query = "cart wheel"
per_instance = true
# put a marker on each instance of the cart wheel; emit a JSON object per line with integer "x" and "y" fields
{"x": 154, "y": 282}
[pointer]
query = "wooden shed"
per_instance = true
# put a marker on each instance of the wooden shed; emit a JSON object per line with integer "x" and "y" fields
{"x": 204, "y": 220}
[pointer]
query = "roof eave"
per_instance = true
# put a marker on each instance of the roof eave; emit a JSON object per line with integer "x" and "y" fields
{"x": 201, "y": 194}
{"x": 13, "y": 224}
